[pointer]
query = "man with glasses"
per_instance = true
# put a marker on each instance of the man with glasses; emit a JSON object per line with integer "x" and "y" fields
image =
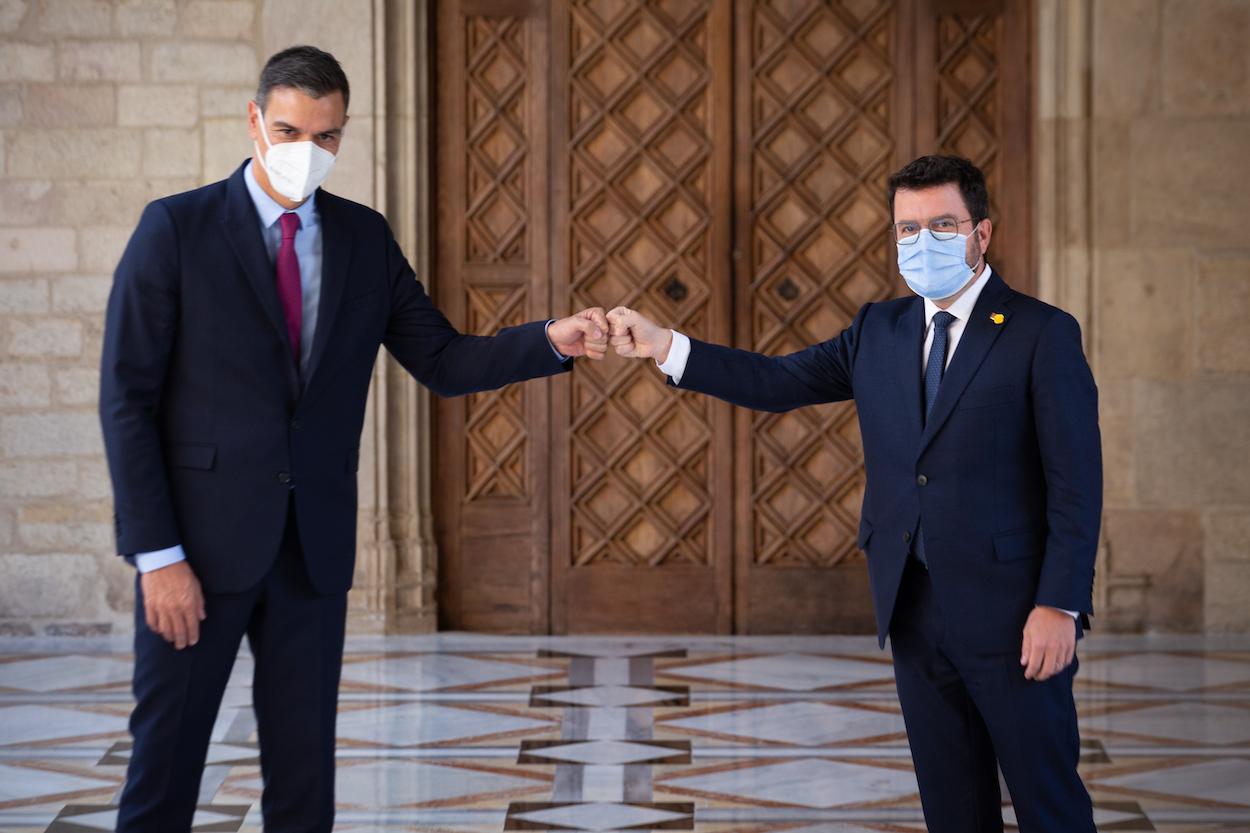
{"x": 980, "y": 521}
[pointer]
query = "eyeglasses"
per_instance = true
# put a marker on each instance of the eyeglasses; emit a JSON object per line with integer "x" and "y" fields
{"x": 942, "y": 228}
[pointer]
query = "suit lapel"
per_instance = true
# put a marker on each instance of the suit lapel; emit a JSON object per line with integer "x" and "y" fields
{"x": 243, "y": 231}
{"x": 909, "y": 341}
{"x": 980, "y": 333}
{"x": 336, "y": 256}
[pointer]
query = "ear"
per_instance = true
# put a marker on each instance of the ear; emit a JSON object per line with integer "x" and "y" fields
{"x": 253, "y": 121}
{"x": 985, "y": 230}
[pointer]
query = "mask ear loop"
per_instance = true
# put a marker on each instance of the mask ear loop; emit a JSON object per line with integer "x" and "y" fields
{"x": 264, "y": 134}
{"x": 980, "y": 251}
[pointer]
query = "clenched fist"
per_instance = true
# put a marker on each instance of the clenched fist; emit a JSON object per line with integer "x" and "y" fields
{"x": 583, "y": 334}
{"x": 173, "y": 603}
{"x": 637, "y": 337}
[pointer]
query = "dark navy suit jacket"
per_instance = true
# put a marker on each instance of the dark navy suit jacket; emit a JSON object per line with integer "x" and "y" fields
{"x": 207, "y": 424}
{"x": 1006, "y": 472}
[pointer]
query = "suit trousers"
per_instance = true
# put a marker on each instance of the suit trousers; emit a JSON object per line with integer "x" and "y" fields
{"x": 970, "y": 713}
{"x": 296, "y": 637}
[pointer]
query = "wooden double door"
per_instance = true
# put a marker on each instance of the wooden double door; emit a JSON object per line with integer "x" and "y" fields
{"x": 719, "y": 165}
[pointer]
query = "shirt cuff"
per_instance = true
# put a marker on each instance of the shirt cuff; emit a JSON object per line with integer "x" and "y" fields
{"x": 674, "y": 366}
{"x": 559, "y": 355}
{"x": 1073, "y": 613}
{"x": 149, "y": 561}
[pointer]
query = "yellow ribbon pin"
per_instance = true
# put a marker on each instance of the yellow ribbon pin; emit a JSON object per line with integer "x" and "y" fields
{"x": 997, "y": 317}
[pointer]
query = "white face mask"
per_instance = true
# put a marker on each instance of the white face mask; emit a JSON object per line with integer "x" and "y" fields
{"x": 295, "y": 169}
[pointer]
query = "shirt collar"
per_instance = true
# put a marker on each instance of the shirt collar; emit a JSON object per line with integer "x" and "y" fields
{"x": 961, "y": 309}
{"x": 269, "y": 210}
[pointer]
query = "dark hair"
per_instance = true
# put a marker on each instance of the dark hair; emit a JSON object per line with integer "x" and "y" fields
{"x": 307, "y": 69}
{"x": 930, "y": 171}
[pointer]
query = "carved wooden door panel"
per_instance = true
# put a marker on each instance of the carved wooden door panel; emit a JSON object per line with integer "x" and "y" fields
{"x": 491, "y": 477}
{"x": 641, "y": 473}
{"x": 819, "y": 128}
{"x": 973, "y": 99}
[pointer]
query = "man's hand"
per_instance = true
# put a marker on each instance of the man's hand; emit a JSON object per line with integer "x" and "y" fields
{"x": 636, "y": 337}
{"x": 173, "y": 603}
{"x": 583, "y": 334}
{"x": 1049, "y": 643}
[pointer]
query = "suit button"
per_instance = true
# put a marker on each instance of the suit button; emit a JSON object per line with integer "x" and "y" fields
{"x": 922, "y": 481}
{"x": 906, "y": 537}
{"x": 284, "y": 478}
{"x": 296, "y": 425}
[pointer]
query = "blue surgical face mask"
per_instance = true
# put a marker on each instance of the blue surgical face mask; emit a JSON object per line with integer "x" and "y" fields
{"x": 935, "y": 269}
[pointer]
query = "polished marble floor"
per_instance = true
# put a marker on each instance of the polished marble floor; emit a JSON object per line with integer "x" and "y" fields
{"x": 462, "y": 733}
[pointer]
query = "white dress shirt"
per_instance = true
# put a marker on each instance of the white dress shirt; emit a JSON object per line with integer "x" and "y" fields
{"x": 674, "y": 365}
{"x": 961, "y": 309}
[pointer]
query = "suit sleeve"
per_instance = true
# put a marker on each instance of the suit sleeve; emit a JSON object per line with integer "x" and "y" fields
{"x": 821, "y": 373}
{"x": 1065, "y": 404}
{"x": 139, "y": 333}
{"x": 449, "y": 362}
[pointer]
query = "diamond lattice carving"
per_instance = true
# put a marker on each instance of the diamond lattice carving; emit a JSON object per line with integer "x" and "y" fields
{"x": 496, "y": 224}
{"x": 640, "y": 145}
{"x": 495, "y": 433}
{"x": 968, "y": 90}
{"x": 822, "y": 83}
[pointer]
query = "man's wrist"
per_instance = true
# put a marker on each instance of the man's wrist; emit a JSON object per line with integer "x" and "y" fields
{"x": 662, "y": 356}
{"x": 547, "y": 332}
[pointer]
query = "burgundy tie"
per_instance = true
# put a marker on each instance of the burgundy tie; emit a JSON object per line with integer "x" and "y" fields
{"x": 289, "y": 291}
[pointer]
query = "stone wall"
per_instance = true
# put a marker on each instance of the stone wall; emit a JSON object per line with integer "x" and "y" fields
{"x": 104, "y": 105}
{"x": 1170, "y": 167}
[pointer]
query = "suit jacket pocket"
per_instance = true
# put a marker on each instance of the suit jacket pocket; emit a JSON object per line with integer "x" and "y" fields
{"x": 987, "y": 397}
{"x": 1019, "y": 545}
{"x": 184, "y": 456}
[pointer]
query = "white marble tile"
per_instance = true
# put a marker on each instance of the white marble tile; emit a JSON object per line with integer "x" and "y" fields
{"x": 791, "y": 672}
{"x": 612, "y": 672}
{"x": 61, "y": 672}
{"x": 805, "y": 783}
{"x": 1165, "y": 671}
{"x": 600, "y": 816}
{"x": 1208, "y": 723}
{"x": 1102, "y": 815}
{"x": 607, "y": 723}
{"x": 1223, "y": 780}
{"x": 803, "y": 723}
{"x": 218, "y": 753}
{"x": 430, "y": 672}
{"x": 107, "y": 819}
{"x": 608, "y": 695}
{"x": 416, "y": 723}
{"x": 603, "y": 783}
{"x": 27, "y": 724}
{"x": 22, "y": 783}
{"x": 610, "y": 752}
{"x": 394, "y": 783}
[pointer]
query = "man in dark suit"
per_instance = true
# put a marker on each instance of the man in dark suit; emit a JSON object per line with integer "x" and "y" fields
{"x": 979, "y": 418}
{"x": 242, "y": 331}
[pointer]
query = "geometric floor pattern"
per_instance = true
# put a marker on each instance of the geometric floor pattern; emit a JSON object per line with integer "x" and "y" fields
{"x": 478, "y": 734}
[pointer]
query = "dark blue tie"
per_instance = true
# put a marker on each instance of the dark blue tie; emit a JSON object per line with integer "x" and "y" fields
{"x": 934, "y": 368}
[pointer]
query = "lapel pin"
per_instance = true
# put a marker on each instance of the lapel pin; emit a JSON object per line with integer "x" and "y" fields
{"x": 997, "y": 317}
